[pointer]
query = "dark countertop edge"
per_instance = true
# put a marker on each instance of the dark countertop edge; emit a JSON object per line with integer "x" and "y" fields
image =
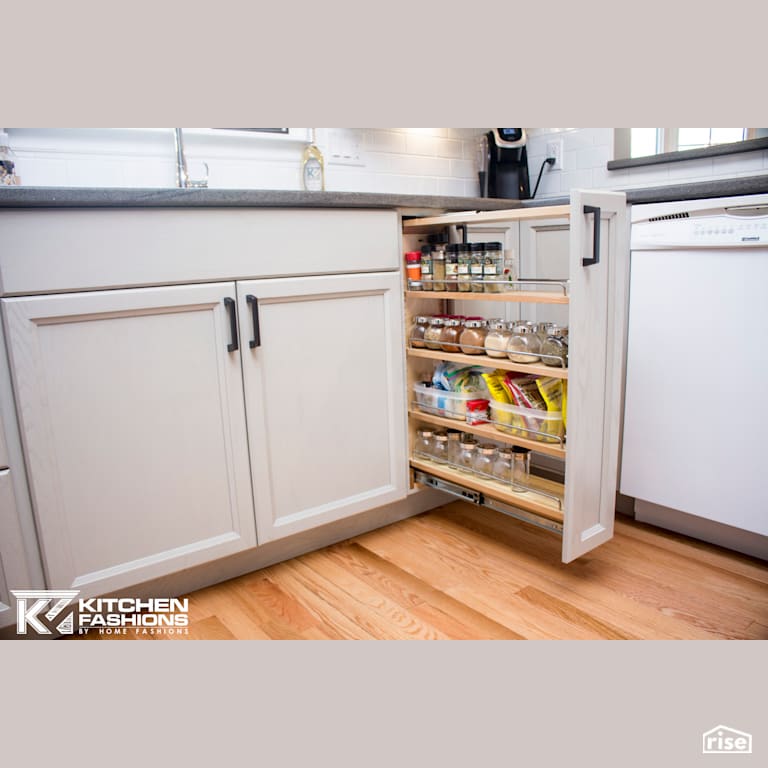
{"x": 409, "y": 205}
{"x": 750, "y": 145}
{"x": 86, "y": 197}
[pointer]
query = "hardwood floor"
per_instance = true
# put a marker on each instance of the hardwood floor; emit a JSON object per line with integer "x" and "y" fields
{"x": 463, "y": 572}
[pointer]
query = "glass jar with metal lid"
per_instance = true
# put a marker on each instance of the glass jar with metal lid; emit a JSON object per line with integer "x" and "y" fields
{"x": 472, "y": 339}
{"x": 477, "y": 262}
{"x": 502, "y": 465}
{"x": 493, "y": 268}
{"x": 521, "y": 468}
{"x": 485, "y": 456}
{"x": 452, "y": 267}
{"x": 555, "y": 349}
{"x": 438, "y": 266}
{"x": 451, "y": 334}
{"x": 467, "y": 447}
{"x": 496, "y": 339}
{"x": 454, "y": 446}
{"x": 464, "y": 267}
{"x": 433, "y": 333}
{"x": 418, "y": 329}
{"x": 426, "y": 268}
{"x": 523, "y": 345}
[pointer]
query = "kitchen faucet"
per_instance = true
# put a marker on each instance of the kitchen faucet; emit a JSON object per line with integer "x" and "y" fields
{"x": 182, "y": 174}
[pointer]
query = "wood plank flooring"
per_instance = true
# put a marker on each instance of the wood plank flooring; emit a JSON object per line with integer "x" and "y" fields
{"x": 462, "y": 572}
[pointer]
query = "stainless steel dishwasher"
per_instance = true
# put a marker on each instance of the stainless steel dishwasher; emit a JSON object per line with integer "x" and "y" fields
{"x": 695, "y": 413}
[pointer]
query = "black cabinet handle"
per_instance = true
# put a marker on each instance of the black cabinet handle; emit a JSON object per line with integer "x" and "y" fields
{"x": 253, "y": 302}
{"x": 596, "y": 236}
{"x": 229, "y": 305}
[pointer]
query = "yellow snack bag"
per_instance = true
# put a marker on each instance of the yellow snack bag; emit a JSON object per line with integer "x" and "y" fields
{"x": 551, "y": 390}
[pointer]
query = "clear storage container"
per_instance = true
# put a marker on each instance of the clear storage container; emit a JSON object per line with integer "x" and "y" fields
{"x": 451, "y": 405}
{"x": 544, "y": 426}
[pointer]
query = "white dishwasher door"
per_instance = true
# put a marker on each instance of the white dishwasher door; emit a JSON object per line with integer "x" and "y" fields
{"x": 696, "y": 410}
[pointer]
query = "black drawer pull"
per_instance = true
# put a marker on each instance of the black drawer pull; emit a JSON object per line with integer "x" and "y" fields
{"x": 229, "y": 305}
{"x": 596, "y": 236}
{"x": 254, "y": 304}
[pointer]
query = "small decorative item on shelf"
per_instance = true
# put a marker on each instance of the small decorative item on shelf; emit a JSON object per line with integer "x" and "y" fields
{"x": 313, "y": 167}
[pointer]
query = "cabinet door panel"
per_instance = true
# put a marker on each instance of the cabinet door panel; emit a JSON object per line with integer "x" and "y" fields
{"x": 324, "y": 397}
{"x": 133, "y": 425}
{"x": 595, "y": 371}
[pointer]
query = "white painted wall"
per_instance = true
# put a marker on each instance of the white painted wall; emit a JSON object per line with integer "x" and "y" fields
{"x": 431, "y": 161}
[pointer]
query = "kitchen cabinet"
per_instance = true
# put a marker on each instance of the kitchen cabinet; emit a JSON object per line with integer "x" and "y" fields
{"x": 14, "y": 571}
{"x": 324, "y": 396}
{"x": 158, "y": 435}
{"x": 582, "y": 506}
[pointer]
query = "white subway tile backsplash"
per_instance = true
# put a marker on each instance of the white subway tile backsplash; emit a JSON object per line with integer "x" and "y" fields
{"x": 733, "y": 164}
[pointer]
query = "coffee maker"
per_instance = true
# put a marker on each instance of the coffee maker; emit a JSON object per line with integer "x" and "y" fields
{"x": 504, "y": 164}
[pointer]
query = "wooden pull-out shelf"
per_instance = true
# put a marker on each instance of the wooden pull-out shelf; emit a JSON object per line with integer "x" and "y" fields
{"x": 483, "y": 361}
{"x": 528, "y": 297}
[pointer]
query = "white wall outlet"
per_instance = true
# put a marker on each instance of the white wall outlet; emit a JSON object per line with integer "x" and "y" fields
{"x": 555, "y": 149}
{"x": 344, "y": 147}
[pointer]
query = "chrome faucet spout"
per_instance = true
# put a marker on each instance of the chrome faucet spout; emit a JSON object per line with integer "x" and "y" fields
{"x": 182, "y": 175}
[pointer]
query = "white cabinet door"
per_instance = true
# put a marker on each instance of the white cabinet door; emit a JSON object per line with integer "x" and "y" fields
{"x": 324, "y": 391}
{"x": 597, "y": 324}
{"x": 13, "y": 571}
{"x": 132, "y": 417}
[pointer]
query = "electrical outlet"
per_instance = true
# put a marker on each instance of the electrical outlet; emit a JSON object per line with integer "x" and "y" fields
{"x": 555, "y": 149}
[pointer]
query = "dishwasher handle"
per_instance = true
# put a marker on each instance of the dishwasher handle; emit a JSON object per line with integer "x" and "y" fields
{"x": 596, "y": 236}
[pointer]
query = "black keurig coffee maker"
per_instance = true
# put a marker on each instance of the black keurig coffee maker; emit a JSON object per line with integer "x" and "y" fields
{"x": 506, "y": 173}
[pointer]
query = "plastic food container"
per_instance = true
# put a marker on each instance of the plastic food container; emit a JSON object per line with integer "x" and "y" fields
{"x": 531, "y": 423}
{"x": 452, "y": 405}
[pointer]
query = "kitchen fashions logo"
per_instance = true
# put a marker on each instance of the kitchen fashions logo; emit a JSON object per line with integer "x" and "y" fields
{"x": 105, "y": 615}
{"x": 722, "y": 740}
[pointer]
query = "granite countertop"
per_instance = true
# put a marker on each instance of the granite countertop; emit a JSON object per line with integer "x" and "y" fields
{"x": 90, "y": 197}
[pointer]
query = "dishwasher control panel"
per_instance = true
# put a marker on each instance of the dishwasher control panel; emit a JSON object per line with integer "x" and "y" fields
{"x": 723, "y": 230}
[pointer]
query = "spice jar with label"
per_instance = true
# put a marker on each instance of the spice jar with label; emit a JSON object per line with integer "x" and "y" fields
{"x": 493, "y": 267}
{"x": 472, "y": 339}
{"x": 484, "y": 459}
{"x": 502, "y": 466}
{"x": 433, "y": 333}
{"x": 452, "y": 267}
{"x": 413, "y": 267}
{"x": 450, "y": 335}
{"x": 467, "y": 446}
{"x": 523, "y": 346}
{"x": 418, "y": 329}
{"x": 438, "y": 267}
{"x": 476, "y": 266}
{"x": 440, "y": 446}
{"x": 465, "y": 265}
{"x": 554, "y": 350}
{"x": 497, "y": 339}
{"x": 426, "y": 267}
{"x": 424, "y": 444}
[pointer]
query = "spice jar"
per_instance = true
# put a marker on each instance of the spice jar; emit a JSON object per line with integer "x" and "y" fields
{"x": 485, "y": 455}
{"x": 464, "y": 267}
{"x": 418, "y": 330}
{"x": 493, "y": 267}
{"x": 472, "y": 339}
{"x": 454, "y": 446}
{"x": 502, "y": 466}
{"x": 477, "y": 259}
{"x": 521, "y": 468}
{"x": 450, "y": 335}
{"x": 413, "y": 267}
{"x": 452, "y": 267}
{"x": 438, "y": 267}
{"x": 477, "y": 411}
{"x": 440, "y": 446}
{"x": 433, "y": 333}
{"x": 426, "y": 267}
{"x": 496, "y": 339}
{"x": 424, "y": 444}
{"x": 554, "y": 351}
{"x": 467, "y": 446}
{"x": 523, "y": 346}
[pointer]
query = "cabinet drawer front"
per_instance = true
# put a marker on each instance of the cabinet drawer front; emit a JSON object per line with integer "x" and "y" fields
{"x": 133, "y": 424}
{"x": 70, "y": 250}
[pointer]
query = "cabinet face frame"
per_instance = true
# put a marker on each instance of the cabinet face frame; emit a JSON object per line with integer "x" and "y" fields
{"x": 597, "y": 323}
{"x": 277, "y": 363}
{"x": 24, "y": 319}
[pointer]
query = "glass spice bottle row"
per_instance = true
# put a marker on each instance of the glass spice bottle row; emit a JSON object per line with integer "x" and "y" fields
{"x": 461, "y": 268}
{"x": 460, "y": 451}
{"x": 521, "y": 342}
